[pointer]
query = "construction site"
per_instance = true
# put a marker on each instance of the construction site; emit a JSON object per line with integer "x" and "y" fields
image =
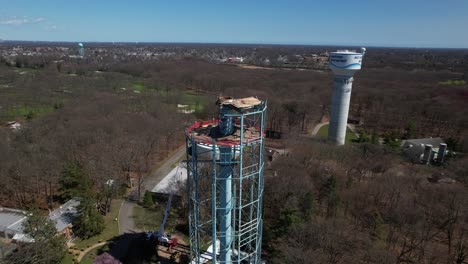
{"x": 225, "y": 168}
{"x": 225, "y": 163}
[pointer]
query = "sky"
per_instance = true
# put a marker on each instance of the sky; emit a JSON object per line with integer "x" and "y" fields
{"x": 389, "y": 23}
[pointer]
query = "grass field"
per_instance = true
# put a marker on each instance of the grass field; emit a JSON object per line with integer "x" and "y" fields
{"x": 24, "y": 111}
{"x": 453, "y": 82}
{"x": 68, "y": 259}
{"x": 323, "y": 132}
{"x": 139, "y": 87}
{"x": 150, "y": 219}
{"x": 195, "y": 101}
{"x": 147, "y": 219}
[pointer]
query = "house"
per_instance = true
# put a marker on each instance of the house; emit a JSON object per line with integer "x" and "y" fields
{"x": 235, "y": 59}
{"x": 13, "y": 125}
{"x": 424, "y": 150}
{"x": 184, "y": 109}
{"x": 11, "y": 221}
{"x": 355, "y": 120}
{"x": 64, "y": 216}
{"x": 271, "y": 154}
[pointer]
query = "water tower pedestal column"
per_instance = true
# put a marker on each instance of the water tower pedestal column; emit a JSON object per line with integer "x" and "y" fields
{"x": 225, "y": 204}
{"x": 344, "y": 64}
{"x": 342, "y": 86}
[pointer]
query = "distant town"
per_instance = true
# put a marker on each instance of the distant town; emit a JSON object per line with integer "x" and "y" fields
{"x": 267, "y": 56}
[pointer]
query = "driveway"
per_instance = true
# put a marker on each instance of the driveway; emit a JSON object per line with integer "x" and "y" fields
{"x": 317, "y": 127}
{"x": 126, "y": 223}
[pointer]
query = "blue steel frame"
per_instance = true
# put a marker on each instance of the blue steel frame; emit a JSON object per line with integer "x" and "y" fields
{"x": 207, "y": 185}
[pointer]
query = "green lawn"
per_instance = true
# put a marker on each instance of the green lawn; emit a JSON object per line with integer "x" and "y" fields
{"x": 453, "y": 82}
{"x": 147, "y": 219}
{"x": 195, "y": 101}
{"x": 24, "y": 111}
{"x": 150, "y": 219}
{"x": 139, "y": 87}
{"x": 68, "y": 259}
{"x": 323, "y": 132}
{"x": 111, "y": 230}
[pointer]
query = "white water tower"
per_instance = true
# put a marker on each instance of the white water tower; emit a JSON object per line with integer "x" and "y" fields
{"x": 344, "y": 64}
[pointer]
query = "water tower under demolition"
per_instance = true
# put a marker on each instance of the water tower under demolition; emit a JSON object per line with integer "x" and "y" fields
{"x": 225, "y": 164}
{"x": 344, "y": 64}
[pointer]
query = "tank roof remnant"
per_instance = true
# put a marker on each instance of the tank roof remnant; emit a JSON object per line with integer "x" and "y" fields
{"x": 241, "y": 103}
{"x": 206, "y": 131}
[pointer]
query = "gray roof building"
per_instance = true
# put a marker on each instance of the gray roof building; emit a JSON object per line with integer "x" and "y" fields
{"x": 421, "y": 141}
{"x": 64, "y": 215}
{"x": 414, "y": 148}
{"x": 11, "y": 220}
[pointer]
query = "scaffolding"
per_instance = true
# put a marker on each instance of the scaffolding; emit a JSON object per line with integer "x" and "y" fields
{"x": 225, "y": 164}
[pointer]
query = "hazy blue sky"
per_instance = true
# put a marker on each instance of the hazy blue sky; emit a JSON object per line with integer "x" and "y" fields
{"x": 416, "y": 23}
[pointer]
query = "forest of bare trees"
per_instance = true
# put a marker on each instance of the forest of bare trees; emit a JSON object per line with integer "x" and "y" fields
{"x": 361, "y": 203}
{"x": 112, "y": 137}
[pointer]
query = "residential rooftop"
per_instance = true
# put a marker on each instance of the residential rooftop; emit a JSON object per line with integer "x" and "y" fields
{"x": 11, "y": 219}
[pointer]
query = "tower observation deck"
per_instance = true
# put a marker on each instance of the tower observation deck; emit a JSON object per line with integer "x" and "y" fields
{"x": 225, "y": 164}
{"x": 344, "y": 64}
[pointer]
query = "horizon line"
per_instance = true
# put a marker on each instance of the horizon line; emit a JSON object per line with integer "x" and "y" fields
{"x": 238, "y": 43}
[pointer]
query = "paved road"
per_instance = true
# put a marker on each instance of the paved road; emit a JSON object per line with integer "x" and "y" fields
{"x": 320, "y": 125}
{"x": 126, "y": 223}
{"x": 317, "y": 127}
{"x": 83, "y": 253}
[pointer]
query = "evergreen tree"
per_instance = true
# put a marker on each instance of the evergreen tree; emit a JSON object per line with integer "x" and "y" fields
{"x": 411, "y": 131}
{"x": 89, "y": 221}
{"x": 363, "y": 137}
{"x": 374, "y": 138}
{"x": 286, "y": 219}
{"x": 38, "y": 226}
{"x": 452, "y": 143}
{"x": 329, "y": 192}
{"x": 308, "y": 205}
{"x": 377, "y": 226}
{"x": 148, "y": 200}
{"x": 391, "y": 140}
{"x": 73, "y": 181}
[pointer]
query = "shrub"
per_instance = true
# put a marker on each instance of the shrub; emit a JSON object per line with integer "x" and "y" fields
{"x": 148, "y": 200}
